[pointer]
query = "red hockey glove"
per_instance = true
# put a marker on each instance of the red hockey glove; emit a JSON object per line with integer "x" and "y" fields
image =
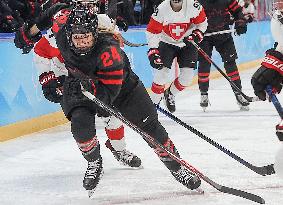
{"x": 279, "y": 130}
{"x": 196, "y": 36}
{"x": 155, "y": 58}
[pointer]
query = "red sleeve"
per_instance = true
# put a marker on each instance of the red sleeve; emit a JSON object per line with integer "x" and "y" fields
{"x": 200, "y": 18}
{"x": 42, "y": 48}
{"x": 234, "y": 7}
{"x": 154, "y": 26}
{"x": 45, "y": 50}
{"x": 272, "y": 62}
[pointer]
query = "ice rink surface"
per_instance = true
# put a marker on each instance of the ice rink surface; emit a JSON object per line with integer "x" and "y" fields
{"x": 47, "y": 168}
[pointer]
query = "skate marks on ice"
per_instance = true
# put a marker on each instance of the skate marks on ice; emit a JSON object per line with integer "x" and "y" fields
{"x": 139, "y": 198}
{"x": 166, "y": 196}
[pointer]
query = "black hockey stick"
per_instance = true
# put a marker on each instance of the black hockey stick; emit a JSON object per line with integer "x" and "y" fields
{"x": 248, "y": 98}
{"x": 78, "y": 74}
{"x": 274, "y": 101}
{"x": 264, "y": 170}
{"x": 128, "y": 43}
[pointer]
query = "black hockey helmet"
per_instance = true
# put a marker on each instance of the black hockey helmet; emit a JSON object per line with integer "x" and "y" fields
{"x": 81, "y": 20}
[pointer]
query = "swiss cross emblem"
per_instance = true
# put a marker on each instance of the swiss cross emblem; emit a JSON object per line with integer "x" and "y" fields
{"x": 177, "y": 30}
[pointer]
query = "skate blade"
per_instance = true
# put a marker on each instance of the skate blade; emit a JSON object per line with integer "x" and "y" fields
{"x": 199, "y": 191}
{"x": 244, "y": 108}
{"x": 91, "y": 193}
{"x": 126, "y": 165}
{"x": 204, "y": 109}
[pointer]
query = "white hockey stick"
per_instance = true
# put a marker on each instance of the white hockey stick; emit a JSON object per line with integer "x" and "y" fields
{"x": 220, "y": 32}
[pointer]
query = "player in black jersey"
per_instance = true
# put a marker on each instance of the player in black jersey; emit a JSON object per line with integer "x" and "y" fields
{"x": 114, "y": 83}
{"x": 220, "y": 15}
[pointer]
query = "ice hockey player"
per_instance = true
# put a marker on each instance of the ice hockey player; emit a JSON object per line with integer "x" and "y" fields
{"x": 219, "y": 14}
{"x": 271, "y": 69}
{"x": 96, "y": 55}
{"x": 52, "y": 72}
{"x": 171, "y": 28}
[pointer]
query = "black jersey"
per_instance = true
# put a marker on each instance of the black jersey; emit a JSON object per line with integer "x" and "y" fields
{"x": 107, "y": 63}
{"x": 220, "y": 13}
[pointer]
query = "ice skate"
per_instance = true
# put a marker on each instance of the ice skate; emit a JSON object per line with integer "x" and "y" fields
{"x": 242, "y": 102}
{"x": 204, "y": 101}
{"x": 169, "y": 99}
{"x": 125, "y": 157}
{"x": 187, "y": 178}
{"x": 93, "y": 175}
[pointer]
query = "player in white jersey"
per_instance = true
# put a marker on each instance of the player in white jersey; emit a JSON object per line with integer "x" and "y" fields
{"x": 171, "y": 28}
{"x": 49, "y": 62}
{"x": 271, "y": 72}
{"x": 248, "y": 9}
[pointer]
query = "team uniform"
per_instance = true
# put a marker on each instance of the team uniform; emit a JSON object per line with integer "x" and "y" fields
{"x": 248, "y": 9}
{"x": 49, "y": 62}
{"x": 165, "y": 33}
{"x": 271, "y": 69}
{"x": 219, "y": 13}
{"x": 115, "y": 84}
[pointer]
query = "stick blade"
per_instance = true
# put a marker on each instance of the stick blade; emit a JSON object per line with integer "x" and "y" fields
{"x": 242, "y": 194}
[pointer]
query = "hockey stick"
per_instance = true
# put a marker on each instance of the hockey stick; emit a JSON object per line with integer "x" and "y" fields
{"x": 274, "y": 100}
{"x": 220, "y": 32}
{"x": 248, "y": 98}
{"x": 128, "y": 43}
{"x": 78, "y": 74}
{"x": 264, "y": 170}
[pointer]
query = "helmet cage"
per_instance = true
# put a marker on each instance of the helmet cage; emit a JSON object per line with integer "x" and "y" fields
{"x": 81, "y": 21}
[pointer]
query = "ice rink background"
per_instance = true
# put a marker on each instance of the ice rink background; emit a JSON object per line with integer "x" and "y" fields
{"x": 46, "y": 168}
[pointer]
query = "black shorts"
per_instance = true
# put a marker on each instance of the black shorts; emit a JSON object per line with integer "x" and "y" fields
{"x": 186, "y": 56}
{"x": 224, "y": 45}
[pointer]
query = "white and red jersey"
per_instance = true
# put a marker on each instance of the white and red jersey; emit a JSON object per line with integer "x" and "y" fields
{"x": 277, "y": 30}
{"x": 47, "y": 55}
{"x": 171, "y": 27}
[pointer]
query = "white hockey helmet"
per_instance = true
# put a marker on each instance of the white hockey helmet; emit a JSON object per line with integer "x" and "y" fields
{"x": 277, "y": 10}
{"x": 277, "y": 5}
{"x": 176, "y": 1}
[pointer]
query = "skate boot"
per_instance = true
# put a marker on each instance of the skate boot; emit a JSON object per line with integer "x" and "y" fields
{"x": 204, "y": 101}
{"x": 242, "y": 102}
{"x": 92, "y": 176}
{"x": 124, "y": 157}
{"x": 187, "y": 178}
{"x": 169, "y": 99}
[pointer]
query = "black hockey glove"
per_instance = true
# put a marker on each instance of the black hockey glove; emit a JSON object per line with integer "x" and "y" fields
{"x": 263, "y": 77}
{"x": 51, "y": 86}
{"x": 24, "y": 40}
{"x": 241, "y": 26}
{"x": 155, "y": 58}
{"x": 11, "y": 22}
{"x": 75, "y": 90}
{"x": 196, "y": 36}
{"x": 122, "y": 23}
